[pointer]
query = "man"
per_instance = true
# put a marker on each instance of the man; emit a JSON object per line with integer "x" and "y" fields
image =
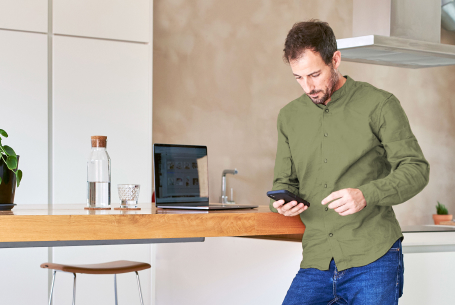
{"x": 347, "y": 148}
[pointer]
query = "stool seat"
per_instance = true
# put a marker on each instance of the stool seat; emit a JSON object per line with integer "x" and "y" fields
{"x": 103, "y": 268}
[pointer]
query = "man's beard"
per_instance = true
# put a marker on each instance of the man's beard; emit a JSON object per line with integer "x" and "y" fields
{"x": 328, "y": 90}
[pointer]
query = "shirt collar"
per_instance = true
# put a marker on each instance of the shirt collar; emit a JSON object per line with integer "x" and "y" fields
{"x": 335, "y": 96}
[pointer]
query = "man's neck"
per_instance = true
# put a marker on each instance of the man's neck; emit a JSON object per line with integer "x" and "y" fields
{"x": 340, "y": 83}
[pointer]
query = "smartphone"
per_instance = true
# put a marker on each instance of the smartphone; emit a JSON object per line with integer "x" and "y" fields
{"x": 286, "y": 196}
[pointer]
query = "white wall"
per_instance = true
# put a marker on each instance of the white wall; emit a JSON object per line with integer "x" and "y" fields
{"x": 69, "y": 70}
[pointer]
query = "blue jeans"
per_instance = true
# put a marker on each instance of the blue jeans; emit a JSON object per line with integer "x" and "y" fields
{"x": 380, "y": 282}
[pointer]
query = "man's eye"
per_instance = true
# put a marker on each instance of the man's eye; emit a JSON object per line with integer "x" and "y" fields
{"x": 315, "y": 75}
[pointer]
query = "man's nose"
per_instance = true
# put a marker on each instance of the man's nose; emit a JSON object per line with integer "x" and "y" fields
{"x": 307, "y": 85}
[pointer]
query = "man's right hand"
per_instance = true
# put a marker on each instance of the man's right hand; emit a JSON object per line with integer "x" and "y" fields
{"x": 289, "y": 209}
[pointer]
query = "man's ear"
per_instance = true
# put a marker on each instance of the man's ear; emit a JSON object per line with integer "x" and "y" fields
{"x": 336, "y": 59}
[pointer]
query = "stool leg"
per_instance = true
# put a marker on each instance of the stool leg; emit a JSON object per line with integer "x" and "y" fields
{"x": 115, "y": 288}
{"x": 139, "y": 287}
{"x": 74, "y": 290}
{"x": 52, "y": 287}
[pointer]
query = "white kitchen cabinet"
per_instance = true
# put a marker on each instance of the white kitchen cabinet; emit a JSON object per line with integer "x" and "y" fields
{"x": 22, "y": 281}
{"x": 24, "y": 115}
{"x": 101, "y": 88}
{"x": 24, "y": 109}
{"x": 428, "y": 278}
{"x": 225, "y": 271}
{"x": 261, "y": 271}
{"x": 121, "y": 19}
{"x": 25, "y": 15}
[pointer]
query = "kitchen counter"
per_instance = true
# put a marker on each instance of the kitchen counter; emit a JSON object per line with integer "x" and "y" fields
{"x": 428, "y": 238}
{"x": 71, "y": 225}
{"x": 427, "y": 229}
{"x": 417, "y": 238}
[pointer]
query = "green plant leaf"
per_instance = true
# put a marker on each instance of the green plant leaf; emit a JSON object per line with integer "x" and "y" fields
{"x": 11, "y": 162}
{"x": 9, "y": 151}
{"x": 18, "y": 177}
{"x": 3, "y": 133}
{"x": 0, "y": 180}
{"x": 441, "y": 209}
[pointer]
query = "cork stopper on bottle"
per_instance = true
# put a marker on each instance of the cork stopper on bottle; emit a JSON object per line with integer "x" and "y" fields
{"x": 99, "y": 141}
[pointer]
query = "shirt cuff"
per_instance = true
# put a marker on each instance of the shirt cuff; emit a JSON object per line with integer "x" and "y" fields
{"x": 369, "y": 191}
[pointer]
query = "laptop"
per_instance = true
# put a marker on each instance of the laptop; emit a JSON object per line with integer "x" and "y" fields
{"x": 181, "y": 178}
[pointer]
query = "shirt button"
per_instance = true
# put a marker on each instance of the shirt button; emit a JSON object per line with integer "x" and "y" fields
{"x": 326, "y": 134}
{"x": 325, "y": 161}
{"x": 327, "y": 110}
{"x": 330, "y": 234}
{"x": 325, "y": 185}
{"x": 326, "y": 209}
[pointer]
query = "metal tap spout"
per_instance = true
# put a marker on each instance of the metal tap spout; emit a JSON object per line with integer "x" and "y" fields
{"x": 223, "y": 198}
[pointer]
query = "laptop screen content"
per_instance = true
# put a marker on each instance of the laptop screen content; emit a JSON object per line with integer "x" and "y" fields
{"x": 181, "y": 174}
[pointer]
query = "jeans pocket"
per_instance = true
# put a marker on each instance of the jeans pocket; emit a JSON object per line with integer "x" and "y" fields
{"x": 396, "y": 247}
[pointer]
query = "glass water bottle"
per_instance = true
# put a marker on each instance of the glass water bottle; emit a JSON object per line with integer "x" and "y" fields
{"x": 99, "y": 174}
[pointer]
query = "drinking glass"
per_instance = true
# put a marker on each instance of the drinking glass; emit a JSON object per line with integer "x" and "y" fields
{"x": 128, "y": 194}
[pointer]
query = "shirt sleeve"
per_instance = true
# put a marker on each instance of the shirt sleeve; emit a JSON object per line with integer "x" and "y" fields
{"x": 410, "y": 170}
{"x": 285, "y": 176}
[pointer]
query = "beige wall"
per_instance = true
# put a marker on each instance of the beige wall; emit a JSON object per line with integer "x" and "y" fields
{"x": 219, "y": 80}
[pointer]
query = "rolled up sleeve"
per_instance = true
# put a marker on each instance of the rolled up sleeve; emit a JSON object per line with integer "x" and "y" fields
{"x": 409, "y": 169}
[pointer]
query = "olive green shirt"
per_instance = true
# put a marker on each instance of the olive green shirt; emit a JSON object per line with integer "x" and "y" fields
{"x": 360, "y": 139}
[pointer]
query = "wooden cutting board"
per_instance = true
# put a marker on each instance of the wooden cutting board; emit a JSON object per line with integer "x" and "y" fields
{"x": 447, "y": 223}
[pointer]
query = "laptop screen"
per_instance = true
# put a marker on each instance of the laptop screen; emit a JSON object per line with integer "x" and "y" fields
{"x": 181, "y": 174}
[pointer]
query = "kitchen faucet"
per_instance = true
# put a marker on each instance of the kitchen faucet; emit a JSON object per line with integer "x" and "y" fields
{"x": 224, "y": 197}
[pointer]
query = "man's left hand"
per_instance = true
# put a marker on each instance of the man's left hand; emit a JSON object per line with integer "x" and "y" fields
{"x": 346, "y": 201}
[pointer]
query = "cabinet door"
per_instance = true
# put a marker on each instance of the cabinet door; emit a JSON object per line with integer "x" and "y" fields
{"x": 24, "y": 109}
{"x": 428, "y": 277}
{"x": 24, "y": 115}
{"x": 26, "y": 15}
{"x": 22, "y": 281}
{"x": 101, "y": 88}
{"x": 120, "y": 19}
{"x": 225, "y": 271}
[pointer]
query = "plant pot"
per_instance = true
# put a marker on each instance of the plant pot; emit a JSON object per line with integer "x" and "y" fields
{"x": 438, "y": 218}
{"x": 8, "y": 185}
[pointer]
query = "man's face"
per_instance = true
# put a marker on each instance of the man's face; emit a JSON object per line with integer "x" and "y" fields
{"x": 317, "y": 79}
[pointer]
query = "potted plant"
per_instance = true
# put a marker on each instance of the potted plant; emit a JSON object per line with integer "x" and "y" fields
{"x": 10, "y": 175}
{"x": 441, "y": 214}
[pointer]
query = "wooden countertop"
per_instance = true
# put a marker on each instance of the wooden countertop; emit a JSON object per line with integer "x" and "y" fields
{"x": 69, "y": 222}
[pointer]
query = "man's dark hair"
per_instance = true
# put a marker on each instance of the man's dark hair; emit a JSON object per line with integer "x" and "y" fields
{"x": 313, "y": 35}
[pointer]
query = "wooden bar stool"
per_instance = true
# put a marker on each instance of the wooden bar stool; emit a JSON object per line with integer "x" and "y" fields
{"x": 104, "y": 268}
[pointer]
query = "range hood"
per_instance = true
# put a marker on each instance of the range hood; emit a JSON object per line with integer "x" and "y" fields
{"x": 398, "y": 33}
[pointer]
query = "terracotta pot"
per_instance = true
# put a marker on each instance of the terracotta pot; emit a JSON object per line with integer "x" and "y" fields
{"x": 438, "y": 218}
{"x": 8, "y": 186}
